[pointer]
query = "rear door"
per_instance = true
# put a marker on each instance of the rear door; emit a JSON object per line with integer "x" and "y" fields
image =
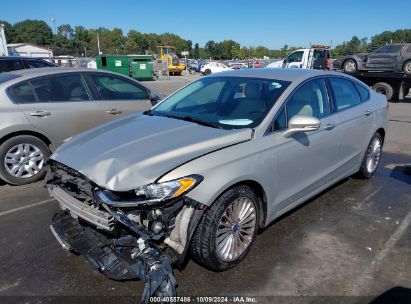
{"x": 355, "y": 123}
{"x": 385, "y": 57}
{"x": 63, "y": 105}
{"x": 119, "y": 95}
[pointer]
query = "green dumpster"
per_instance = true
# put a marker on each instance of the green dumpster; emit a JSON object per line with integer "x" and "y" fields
{"x": 115, "y": 63}
{"x": 141, "y": 67}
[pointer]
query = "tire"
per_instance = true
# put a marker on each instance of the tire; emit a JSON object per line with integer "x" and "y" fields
{"x": 385, "y": 89}
{"x": 350, "y": 66}
{"x": 207, "y": 72}
{"x": 407, "y": 67}
{"x": 372, "y": 157}
{"x": 21, "y": 148}
{"x": 204, "y": 249}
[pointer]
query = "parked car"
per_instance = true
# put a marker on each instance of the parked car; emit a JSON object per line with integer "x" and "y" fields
{"x": 208, "y": 167}
{"x": 390, "y": 58}
{"x": 214, "y": 67}
{"x": 40, "y": 108}
{"x": 13, "y": 63}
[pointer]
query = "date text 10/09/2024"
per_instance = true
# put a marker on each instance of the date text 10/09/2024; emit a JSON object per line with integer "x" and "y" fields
{"x": 200, "y": 299}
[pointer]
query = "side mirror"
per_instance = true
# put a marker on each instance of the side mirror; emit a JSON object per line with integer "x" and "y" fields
{"x": 302, "y": 123}
{"x": 156, "y": 97}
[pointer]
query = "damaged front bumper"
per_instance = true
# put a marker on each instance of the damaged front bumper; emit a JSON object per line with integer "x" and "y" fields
{"x": 124, "y": 243}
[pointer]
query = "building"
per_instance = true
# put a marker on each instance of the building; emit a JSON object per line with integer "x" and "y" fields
{"x": 29, "y": 50}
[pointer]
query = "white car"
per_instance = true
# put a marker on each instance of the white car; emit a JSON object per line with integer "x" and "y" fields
{"x": 214, "y": 67}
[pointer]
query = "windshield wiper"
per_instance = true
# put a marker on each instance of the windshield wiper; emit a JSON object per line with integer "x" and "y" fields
{"x": 186, "y": 118}
{"x": 199, "y": 121}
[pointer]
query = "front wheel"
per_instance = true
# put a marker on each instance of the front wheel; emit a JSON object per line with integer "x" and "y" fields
{"x": 22, "y": 159}
{"x": 227, "y": 230}
{"x": 372, "y": 157}
{"x": 350, "y": 66}
{"x": 207, "y": 72}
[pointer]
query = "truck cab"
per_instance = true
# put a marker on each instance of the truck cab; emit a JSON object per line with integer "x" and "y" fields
{"x": 316, "y": 57}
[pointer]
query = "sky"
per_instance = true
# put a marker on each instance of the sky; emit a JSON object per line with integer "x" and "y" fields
{"x": 250, "y": 22}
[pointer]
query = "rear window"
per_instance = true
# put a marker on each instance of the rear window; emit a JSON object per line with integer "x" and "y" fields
{"x": 22, "y": 93}
{"x": 38, "y": 64}
{"x": 7, "y": 76}
{"x": 10, "y": 65}
{"x": 364, "y": 92}
{"x": 345, "y": 94}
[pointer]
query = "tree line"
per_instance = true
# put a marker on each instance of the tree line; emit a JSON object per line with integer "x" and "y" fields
{"x": 79, "y": 41}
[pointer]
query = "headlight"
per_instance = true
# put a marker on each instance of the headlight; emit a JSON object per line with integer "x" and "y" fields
{"x": 168, "y": 190}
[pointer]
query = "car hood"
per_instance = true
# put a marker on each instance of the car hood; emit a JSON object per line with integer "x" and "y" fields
{"x": 136, "y": 150}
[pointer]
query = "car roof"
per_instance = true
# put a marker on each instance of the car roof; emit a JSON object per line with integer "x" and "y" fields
{"x": 38, "y": 72}
{"x": 19, "y": 57}
{"x": 286, "y": 74}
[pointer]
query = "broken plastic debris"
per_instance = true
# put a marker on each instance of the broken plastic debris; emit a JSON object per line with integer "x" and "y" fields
{"x": 368, "y": 248}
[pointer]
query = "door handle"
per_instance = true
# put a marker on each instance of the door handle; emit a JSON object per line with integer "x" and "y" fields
{"x": 329, "y": 126}
{"x": 113, "y": 111}
{"x": 40, "y": 113}
{"x": 368, "y": 113}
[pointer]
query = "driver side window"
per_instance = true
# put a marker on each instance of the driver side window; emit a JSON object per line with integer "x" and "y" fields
{"x": 295, "y": 57}
{"x": 310, "y": 99}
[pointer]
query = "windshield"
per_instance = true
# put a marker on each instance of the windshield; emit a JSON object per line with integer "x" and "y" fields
{"x": 223, "y": 102}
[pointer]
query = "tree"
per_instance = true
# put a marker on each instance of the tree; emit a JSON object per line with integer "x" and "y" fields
{"x": 66, "y": 31}
{"x": 33, "y": 31}
{"x": 81, "y": 41}
{"x": 196, "y": 51}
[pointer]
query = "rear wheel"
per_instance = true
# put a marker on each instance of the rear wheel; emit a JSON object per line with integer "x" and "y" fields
{"x": 407, "y": 67}
{"x": 226, "y": 232}
{"x": 385, "y": 89}
{"x": 350, "y": 66}
{"x": 207, "y": 72}
{"x": 22, "y": 159}
{"x": 372, "y": 157}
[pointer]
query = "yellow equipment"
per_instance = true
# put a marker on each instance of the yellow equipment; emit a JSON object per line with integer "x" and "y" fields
{"x": 166, "y": 52}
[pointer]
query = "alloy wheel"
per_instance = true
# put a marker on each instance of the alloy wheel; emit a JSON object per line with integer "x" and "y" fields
{"x": 350, "y": 66}
{"x": 24, "y": 160}
{"x": 236, "y": 229}
{"x": 373, "y": 155}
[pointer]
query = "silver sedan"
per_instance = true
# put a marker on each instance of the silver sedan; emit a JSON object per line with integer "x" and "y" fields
{"x": 212, "y": 164}
{"x": 42, "y": 107}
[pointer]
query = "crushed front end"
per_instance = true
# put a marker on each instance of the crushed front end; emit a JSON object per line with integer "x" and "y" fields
{"x": 119, "y": 234}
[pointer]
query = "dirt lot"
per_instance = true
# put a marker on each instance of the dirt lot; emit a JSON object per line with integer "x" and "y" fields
{"x": 353, "y": 240}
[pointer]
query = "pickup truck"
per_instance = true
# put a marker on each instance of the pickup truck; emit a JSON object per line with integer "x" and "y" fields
{"x": 315, "y": 57}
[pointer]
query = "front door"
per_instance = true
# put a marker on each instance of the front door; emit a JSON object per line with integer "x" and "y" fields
{"x": 306, "y": 159}
{"x": 295, "y": 60}
{"x": 385, "y": 57}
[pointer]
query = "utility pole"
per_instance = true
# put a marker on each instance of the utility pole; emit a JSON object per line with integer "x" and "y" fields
{"x": 98, "y": 44}
{"x": 53, "y": 19}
